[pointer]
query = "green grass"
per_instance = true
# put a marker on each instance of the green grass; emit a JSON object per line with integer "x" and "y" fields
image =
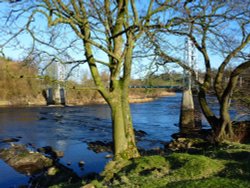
{"x": 225, "y": 166}
{"x": 158, "y": 171}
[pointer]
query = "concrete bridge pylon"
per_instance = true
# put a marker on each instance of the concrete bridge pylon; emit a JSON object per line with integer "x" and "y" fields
{"x": 187, "y": 116}
{"x": 187, "y": 120}
{"x": 56, "y": 94}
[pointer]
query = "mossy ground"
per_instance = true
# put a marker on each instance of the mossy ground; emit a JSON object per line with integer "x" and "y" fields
{"x": 227, "y": 165}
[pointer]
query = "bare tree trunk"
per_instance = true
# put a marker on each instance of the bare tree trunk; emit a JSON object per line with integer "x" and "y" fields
{"x": 129, "y": 125}
{"x": 210, "y": 116}
{"x": 224, "y": 130}
{"x": 123, "y": 133}
{"x": 222, "y": 127}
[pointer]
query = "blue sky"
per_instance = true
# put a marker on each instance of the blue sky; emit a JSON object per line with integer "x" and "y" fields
{"x": 24, "y": 40}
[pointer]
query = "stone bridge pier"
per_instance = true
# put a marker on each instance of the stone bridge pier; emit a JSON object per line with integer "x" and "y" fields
{"x": 55, "y": 96}
{"x": 187, "y": 115}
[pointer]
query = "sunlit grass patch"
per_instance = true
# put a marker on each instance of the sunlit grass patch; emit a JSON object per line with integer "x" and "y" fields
{"x": 157, "y": 171}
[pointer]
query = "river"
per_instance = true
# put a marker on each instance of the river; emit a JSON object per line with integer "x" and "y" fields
{"x": 69, "y": 129}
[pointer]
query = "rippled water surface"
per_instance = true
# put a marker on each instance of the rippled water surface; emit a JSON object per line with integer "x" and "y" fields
{"x": 69, "y": 129}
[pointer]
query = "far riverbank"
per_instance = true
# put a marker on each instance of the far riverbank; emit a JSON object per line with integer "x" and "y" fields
{"x": 139, "y": 97}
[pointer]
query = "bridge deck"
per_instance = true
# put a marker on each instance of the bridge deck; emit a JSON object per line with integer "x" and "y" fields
{"x": 154, "y": 87}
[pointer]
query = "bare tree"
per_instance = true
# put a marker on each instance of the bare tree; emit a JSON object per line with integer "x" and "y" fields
{"x": 214, "y": 27}
{"x": 105, "y": 32}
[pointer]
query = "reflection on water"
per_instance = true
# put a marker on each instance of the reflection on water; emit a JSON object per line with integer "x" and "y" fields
{"x": 9, "y": 177}
{"x": 159, "y": 119}
{"x": 69, "y": 129}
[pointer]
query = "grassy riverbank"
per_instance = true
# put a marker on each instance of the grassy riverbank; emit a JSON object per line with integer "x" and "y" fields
{"x": 226, "y": 165}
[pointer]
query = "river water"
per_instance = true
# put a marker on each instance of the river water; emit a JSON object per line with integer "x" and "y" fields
{"x": 69, "y": 129}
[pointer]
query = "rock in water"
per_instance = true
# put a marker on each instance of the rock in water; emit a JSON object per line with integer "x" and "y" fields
{"x": 7, "y": 140}
{"x": 24, "y": 161}
{"x": 81, "y": 163}
{"x": 108, "y": 156}
{"x": 55, "y": 175}
{"x": 55, "y": 154}
{"x": 140, "y": 133}
{"x": 52, "y": 171}
{"x": 47, "y": 172}
{"x": 99, "y": 146}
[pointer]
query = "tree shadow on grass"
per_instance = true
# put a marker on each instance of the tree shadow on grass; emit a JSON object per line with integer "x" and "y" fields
{"x": 238, "y": 165}
{"x": 239, "y": 156}
{"x": 236, "y": 170}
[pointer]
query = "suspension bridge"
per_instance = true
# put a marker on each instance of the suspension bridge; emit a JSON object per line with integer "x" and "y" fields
{"x": 56, "y": 95}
